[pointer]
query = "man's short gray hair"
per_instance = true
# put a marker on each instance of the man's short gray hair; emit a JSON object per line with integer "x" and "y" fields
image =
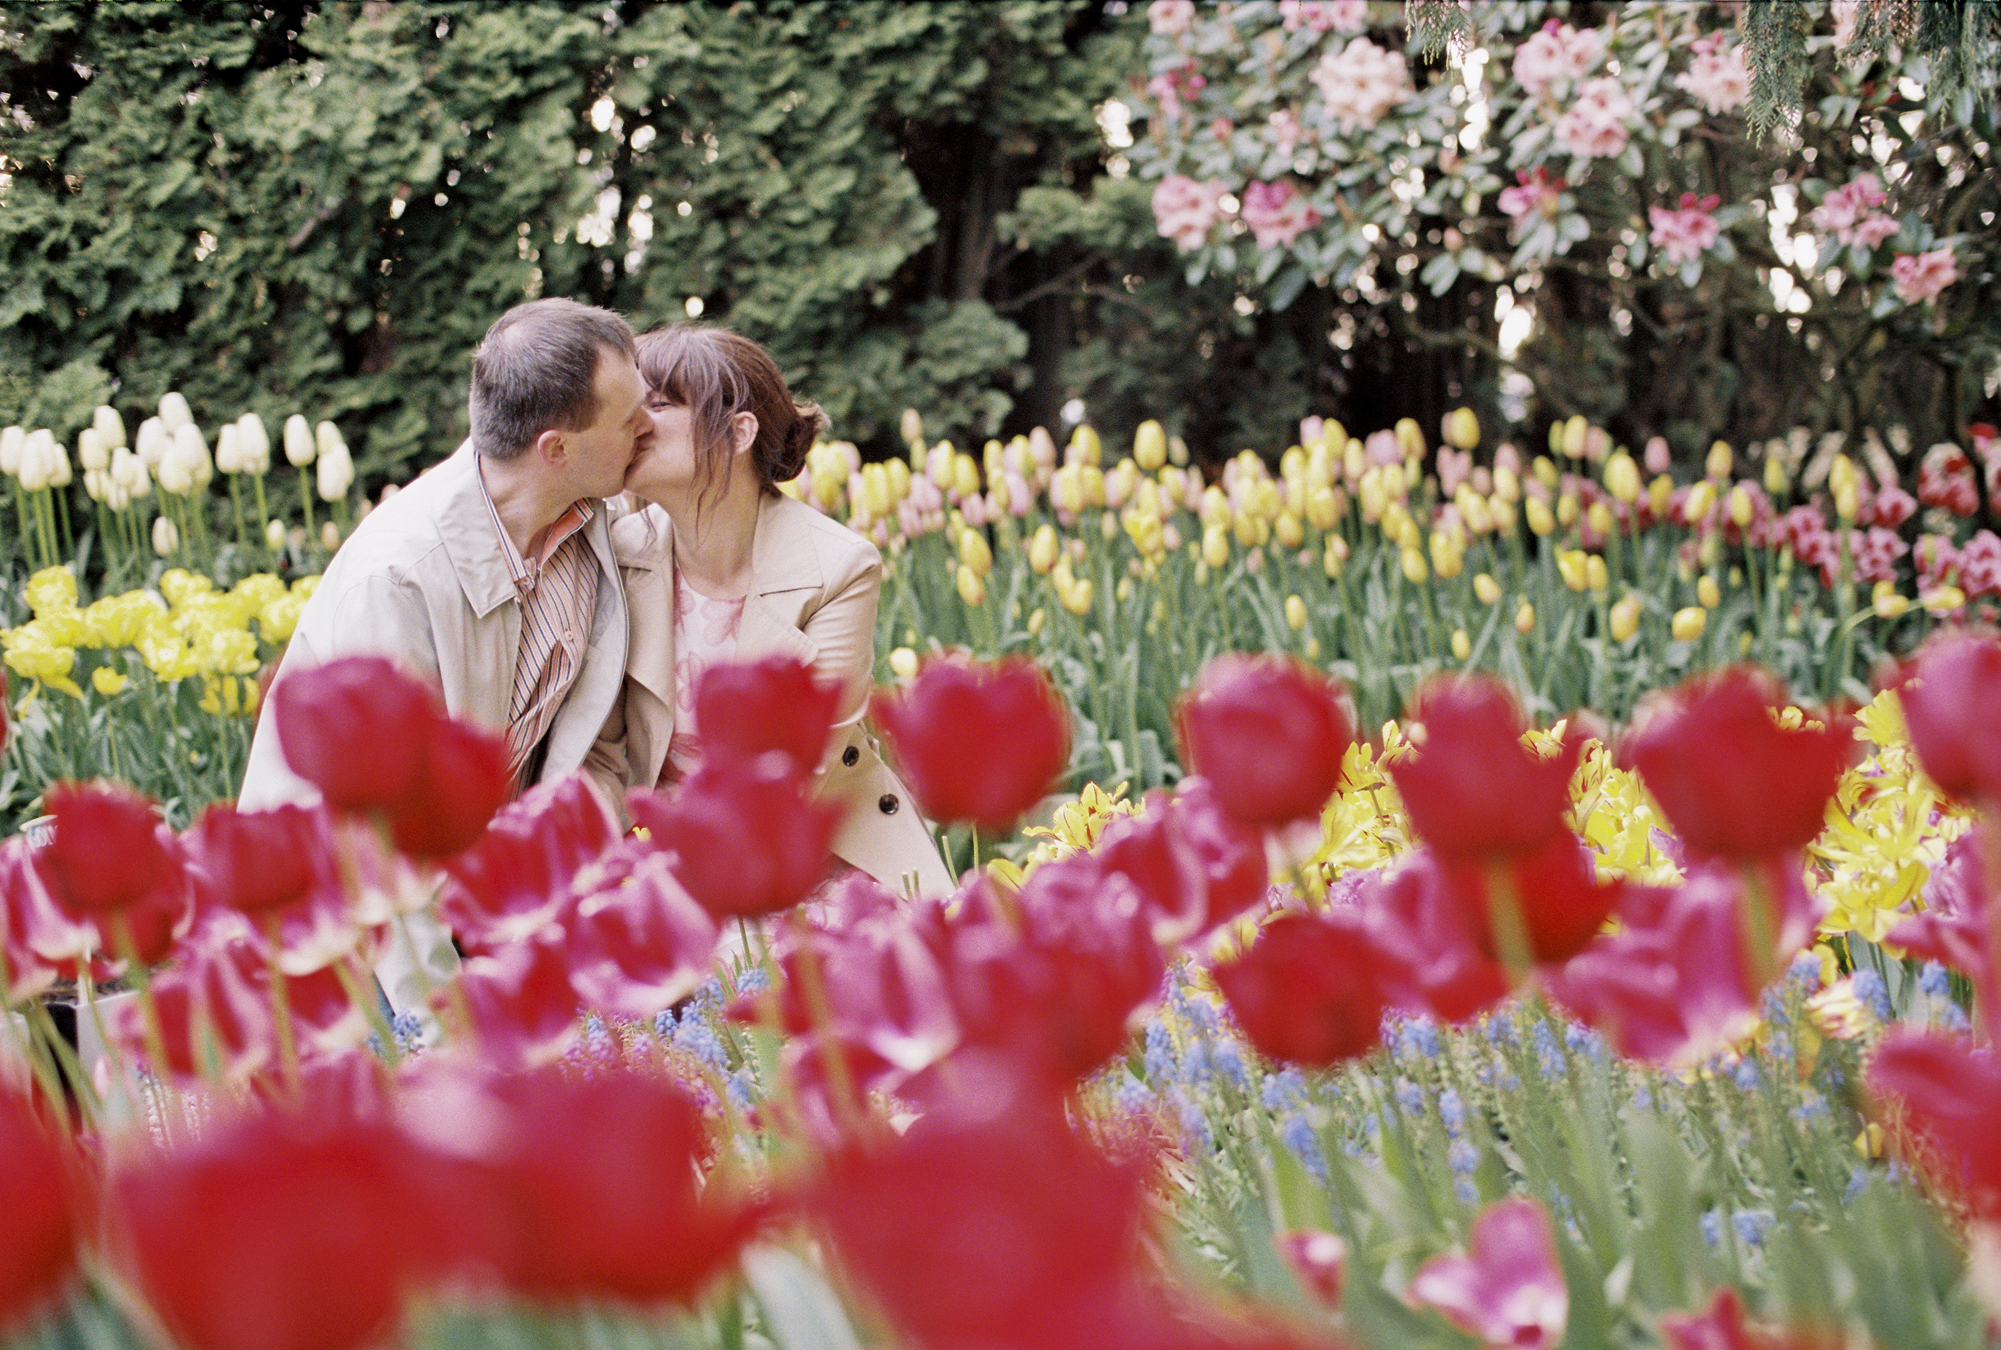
{"x": 536, "y": 369}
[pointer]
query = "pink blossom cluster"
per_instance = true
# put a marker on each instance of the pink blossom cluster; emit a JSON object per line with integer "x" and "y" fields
{"x": 1850, "y": 215}
{"x": 1945, "y": 479}
{"x": 1596, "y": 125}
{"x": 1684, "y": 234}
{"x": 1171, "y": 86}
{"x": 1975, "y": 569}
{"x": 1534, "y": 191}
{"x": 1717, "y": 78}
{"x": 1170, "y": 18}
{"x": 1185, "y": 209}
{"x": 1558, "y": 54}
{"x": 1923, "y": 276}
{"x": 1360, "y": 83}
{"x": 1323, "y": 16}
{"x": 1282, "y": 129}
{"x": 1277, "y": 214}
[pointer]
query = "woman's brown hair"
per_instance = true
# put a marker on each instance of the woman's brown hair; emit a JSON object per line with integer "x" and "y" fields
{"x": 716, "y": 374}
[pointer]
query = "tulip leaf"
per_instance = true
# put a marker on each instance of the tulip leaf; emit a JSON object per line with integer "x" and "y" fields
{"x": 801, "y": 1312}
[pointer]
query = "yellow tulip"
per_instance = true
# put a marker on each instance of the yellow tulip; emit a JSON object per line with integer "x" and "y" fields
{"x": 1334, "y": 556}
{"x": 1410, "y": 438}
{"x": 1077, "y": 599}
{"x": 1150, "y": 445}
{"x": 1448, "y": 559}
{"x": 1251, "y": 530}
{"x": 1701, "y": 501}
{"x": 1462, "y": 645}
{"x": 1215, "y": 547}
{"x": 1742, "y": 508}
{"x": 1660, "y": 494}
{"x": 1575, "y": 431}
{"x": 1488, "y": 589}
{"x": 1474, "y": 509}
{"x": 1414, "y": 570}
{"x": 1043, "y": 549}
{"x": 1036, "y": 618}
{"x": 1596, "y": 577}
{"x": 1688, "y": 623}
{"x": 1108, "y": 526}
{"x": 1084, "y": 445}
{"x": 1288, "y": 530}
{"x": 965, "y": 475}
{"x": 897, "y": 472}
{"x": 903, "y": 663}
{"x": 1846, "y": 500}
{"x": 1462, "y": 430}
{"x": 1944, "y": 600}
{"x": 1323, "y": 507}
{"x": 1507, "y": 485}
{"x": 1625, "y": 618}
{"x": 1776, "y": 482}
{"x": 1572, "y": 564}
{"x": 1720, "y": 461}
{"x": 1622, "y": 478}
{"x": 1540, "y": 519}
{"x": 1215, "y": 508}
{"x": 974, "y": 552}
{"x": 1504, "y": 514}
{"x": 1601, "y": 519}
{"x": 1295, "y": 613}
{"x": 1891, "y": 605}
{"x": 1566, "y": 510}
{"x": 1525, "y": 618}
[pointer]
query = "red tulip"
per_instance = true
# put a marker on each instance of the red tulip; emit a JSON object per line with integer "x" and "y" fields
{"x": 435, "y": 779}
{"x": 38, "y": 1220}
{"x": 1671, "y": 985}
{"x": 36, "y": 935}
{"x": 1508, "y": 1289}
{"x": 746, "y": 839}
{"x": 1308, "y": 990}
{"x": 977, "y": 742}
{"x": 1473, "y": 789}
{"x": 1554, "y": 892}
{"x": 1951, "y": 696}
{"x": 1723, "y": 1328}
{"x": 1946, "y": 1098}
{"x": 637, "y": 939}
{"x": 273, "y": 1233}
{"x": 1433, "y": 956}
{"x": 1038, "y": 1229}
{"x": 1733, "y": 782}
{"x": 356, "y": 728}
{"x": 109, "y": 851}
{"x": 1194, "y": 866}
{"x": 256, "y": 861}
{"x": 1316, "y": 1259}
{"x": 1269, "y": 734}
{"x": 516, "y": 878}
{"x": 594, "y": 1187}
{"x": 519, "y": 1003}
{"x": 746, "y": 708}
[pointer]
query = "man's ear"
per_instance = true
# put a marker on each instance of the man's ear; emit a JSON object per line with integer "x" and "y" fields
{"x": 743, "y": 431}
{"x": 551, "y": 448}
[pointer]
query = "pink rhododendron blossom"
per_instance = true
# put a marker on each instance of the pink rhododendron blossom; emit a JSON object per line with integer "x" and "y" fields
{"x": 1170, "y": 18}
{"x": 1873, "y": 230}
{"x": 1282, "y": 130}
{"x": 1277, "y": 214}
{"x": 1595, "y": 127}
{"x": 1849, "y": 213}
{"x": 1684, "y": 234}
{"x": 1167, "y": 94}
{"x": 1509, "y": 1288}
{"x": 1360, "y": 83}
{"x": 1558, "y": 53}
{"x": 1185, "y": 209}
{"x": 1534, "y": 191}
{"x": 1980, "y": 565}
{"x": 1717, "y": 79}
{"x": 1920, "y": 277}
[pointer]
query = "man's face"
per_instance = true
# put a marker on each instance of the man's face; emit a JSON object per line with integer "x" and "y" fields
{"x": 599, "y": 454}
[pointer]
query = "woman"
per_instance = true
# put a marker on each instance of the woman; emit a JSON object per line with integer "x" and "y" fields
{"x": 721, "y": 566}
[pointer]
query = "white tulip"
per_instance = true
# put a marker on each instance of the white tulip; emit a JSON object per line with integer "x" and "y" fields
{"x": 327, "y": 436}
{"x": 274, "y": 534}
{"x": 228, "y": 457}
{"x": 253, "y": 445}
{"x": 329, "y": 535}
{"x": 38, "y": 459}
{"x": 91, "y": 452}
{"x": 336, "y": 470}
{"x": 96, "y": 484}
{"x": 191, "y": 450}
{"x": 59, "y": 466}
{"x": 299, "y": 447}
{"x": 110, "y": 427}
{"x": 152, "y": 442}
{"x": 130, "y": 474}
{"x": 115, "y": 495}
{"x": 10, "y": 450}
{"x": 174, "y": 410}
{"x": 166, "y": 536}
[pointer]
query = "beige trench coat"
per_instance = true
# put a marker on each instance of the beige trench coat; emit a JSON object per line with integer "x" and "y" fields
{"x": 814, "y": 586}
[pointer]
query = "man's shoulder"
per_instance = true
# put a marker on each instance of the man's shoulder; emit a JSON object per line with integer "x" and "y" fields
{"x": 408, "y": 528}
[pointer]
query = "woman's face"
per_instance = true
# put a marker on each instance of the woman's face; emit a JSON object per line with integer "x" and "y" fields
{"x": 664, "y": 465}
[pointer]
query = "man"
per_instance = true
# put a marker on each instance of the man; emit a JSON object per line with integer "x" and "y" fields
{"x": 492, "y": 574}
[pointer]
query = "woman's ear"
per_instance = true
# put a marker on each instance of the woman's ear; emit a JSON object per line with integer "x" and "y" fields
{"x": 743, "y": 431}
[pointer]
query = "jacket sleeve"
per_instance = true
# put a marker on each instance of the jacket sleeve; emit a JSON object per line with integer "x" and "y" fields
{"x": 843, "y": 630}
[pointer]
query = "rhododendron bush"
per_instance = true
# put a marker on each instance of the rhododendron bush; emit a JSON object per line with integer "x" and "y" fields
{"x": 1537, "y": 1036}
{"x": 1566, "y": 205}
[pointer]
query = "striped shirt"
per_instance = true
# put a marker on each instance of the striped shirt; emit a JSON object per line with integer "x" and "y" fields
{"x": 558, "y": 593}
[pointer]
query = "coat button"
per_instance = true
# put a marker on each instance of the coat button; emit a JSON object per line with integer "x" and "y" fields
{"x": 851, "y": 756}
{"x": 888, "y": 804}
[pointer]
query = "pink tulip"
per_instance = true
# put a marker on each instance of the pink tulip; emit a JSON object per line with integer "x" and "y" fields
{"x": 1508, "y": 1289}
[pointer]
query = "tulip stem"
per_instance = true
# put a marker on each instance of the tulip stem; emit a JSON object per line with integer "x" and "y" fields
{"x": 1504, "y": 916}
{"x": 149, "y": 1015}
{"x": 813, "y": 987}
{"x": 281, "y": 1012}
{"x": 24, "y": 1036}
{"x": 349, "y": 971}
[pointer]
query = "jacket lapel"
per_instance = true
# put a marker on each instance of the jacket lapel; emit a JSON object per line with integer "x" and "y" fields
{"x": 465, "y": 523}
{"x": 785, "y": 577}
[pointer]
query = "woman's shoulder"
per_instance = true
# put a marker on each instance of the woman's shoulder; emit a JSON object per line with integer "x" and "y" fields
{"x": 839, "y": 548}
{"x": 641, "y": 535}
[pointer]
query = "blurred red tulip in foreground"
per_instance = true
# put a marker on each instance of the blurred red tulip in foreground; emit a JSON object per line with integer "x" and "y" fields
{"x": 1951, "y": 696}
{"x": 977, "y": 742}
{"x": 38, "y": 1220}
{"x": 1472, "y": 788}
{"x": 746, "y": 708}
{"x": 1269, "y": 733}
{"x": 1508, "y": 1289}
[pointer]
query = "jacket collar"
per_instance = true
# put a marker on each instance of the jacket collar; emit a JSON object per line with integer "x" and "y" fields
{"x": 466, "y": 527}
